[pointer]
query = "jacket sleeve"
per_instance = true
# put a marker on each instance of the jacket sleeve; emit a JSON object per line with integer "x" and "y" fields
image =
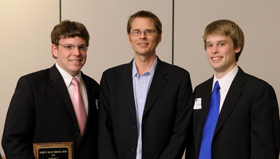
{"x": 106, "y": 145}
{"x": 182, "y": 121}
{"x": 16, "y": 140}
{"x": 265, "y": 125}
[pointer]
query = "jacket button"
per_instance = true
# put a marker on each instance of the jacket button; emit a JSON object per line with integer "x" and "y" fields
{"x": 78, "y": 130}
{"x": 134, "y": 126}
{"x": 132, "y": 149}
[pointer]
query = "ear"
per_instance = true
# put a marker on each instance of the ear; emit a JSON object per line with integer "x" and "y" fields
{"x": 237, "y": 49}
{"x": 159, "y": 38}
{"x": 54, "y": 50}
{"x": 129, "y": 40}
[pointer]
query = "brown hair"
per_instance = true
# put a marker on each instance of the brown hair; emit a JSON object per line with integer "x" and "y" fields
{"x": 227, "y": 28}
{"x": 67, "y": 29}
{"x": 144, "y": 14}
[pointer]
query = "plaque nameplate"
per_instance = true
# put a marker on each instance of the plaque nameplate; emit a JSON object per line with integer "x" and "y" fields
{"x": 54, "y": 150}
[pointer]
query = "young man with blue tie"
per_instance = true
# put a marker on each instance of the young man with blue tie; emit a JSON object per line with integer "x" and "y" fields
{"x": 244, "y": 122}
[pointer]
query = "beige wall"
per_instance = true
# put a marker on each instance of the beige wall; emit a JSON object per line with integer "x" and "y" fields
{"x": 259, "y": 21}
{"x": 26, "y": 26}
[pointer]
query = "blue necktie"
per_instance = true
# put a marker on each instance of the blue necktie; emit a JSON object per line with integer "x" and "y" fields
{"x": 210, "y": 124}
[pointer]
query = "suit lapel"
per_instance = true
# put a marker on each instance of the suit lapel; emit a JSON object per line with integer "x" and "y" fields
{"x": 59, "y": 86}
{"x": 231, "y": 99}
{"x": 206, "y": 97}
{"x": 205, "y": 101}
{"x": 158, "y": 83}
{"x": 91, "y": 101}
{"x": 128, "y": 88}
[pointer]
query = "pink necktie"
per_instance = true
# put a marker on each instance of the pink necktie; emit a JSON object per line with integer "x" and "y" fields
{"x": 78, "y": 104}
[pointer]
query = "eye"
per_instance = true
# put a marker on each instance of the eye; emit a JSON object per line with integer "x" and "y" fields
{"x": 82, "y": 47}
{"x": 69, "y": 47}
{"x": 136, "y": 32}
{"x": 209, "y": 45}
{"x": 148, "y": 31}
{"x": 222, "y": 44}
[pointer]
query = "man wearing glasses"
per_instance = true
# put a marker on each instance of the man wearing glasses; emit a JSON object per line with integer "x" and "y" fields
{"x": 145, "y": 105}
{"x": 55, "y": 104}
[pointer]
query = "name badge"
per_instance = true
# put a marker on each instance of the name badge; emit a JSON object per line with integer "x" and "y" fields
{"x": 197, "y": 103}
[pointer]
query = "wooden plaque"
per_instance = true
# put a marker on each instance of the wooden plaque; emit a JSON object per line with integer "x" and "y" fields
{"x": 54, "y": 150}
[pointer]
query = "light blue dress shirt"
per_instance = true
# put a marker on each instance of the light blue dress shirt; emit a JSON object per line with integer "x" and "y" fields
{"x": 141, "y": 85}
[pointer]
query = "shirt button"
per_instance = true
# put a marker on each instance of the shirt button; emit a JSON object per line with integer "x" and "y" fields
{"x": 142, "y": 85}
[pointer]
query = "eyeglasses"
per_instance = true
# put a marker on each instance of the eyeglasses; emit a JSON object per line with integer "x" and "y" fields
{"x": 72, "y": 47}
{"x": 146, "y": 32}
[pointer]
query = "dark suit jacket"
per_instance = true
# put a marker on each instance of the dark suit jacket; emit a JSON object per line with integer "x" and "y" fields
{"x": 41, "y": 111}
{"x": 248, "y": 125}
{"x": 166, "y": 116}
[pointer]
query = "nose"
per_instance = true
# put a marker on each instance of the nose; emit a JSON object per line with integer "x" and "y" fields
{"x": 76, "y": 51}
{"x": 142, "y": 35}
{"x": 214, "y": 49}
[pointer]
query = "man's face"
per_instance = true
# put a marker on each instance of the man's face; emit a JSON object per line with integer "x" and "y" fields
{"x": 70, "y": 59}
{"x": 221, "y": 53}
{"x": 144, "y": 45}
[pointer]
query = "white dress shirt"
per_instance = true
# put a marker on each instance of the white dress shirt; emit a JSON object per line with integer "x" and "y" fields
{"x": 225, "y": 84}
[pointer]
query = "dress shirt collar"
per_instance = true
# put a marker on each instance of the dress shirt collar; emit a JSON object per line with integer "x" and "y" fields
{"x": 151, "y": 71}
{"x": 226, "y": 81}
{"x": 66, "y": 76}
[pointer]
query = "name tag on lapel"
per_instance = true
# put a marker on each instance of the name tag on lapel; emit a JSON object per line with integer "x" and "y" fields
{"x": 197, "y": 103}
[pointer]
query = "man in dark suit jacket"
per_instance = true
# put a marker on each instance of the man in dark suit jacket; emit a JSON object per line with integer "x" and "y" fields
{"x": 145, "y": 105}
{"x": 41, "y": 110}
{"x": 248, "y": 122}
